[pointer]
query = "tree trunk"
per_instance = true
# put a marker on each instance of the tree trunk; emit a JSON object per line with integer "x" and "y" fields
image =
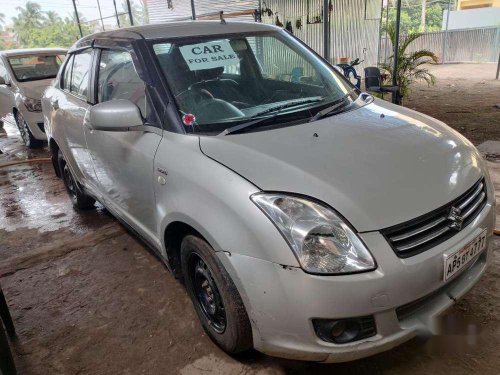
{"x": 422, "y": 19}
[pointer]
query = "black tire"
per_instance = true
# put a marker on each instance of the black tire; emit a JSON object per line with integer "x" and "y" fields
{"x": 217, "y": 303}
{"x": 79, "y": 199}
{"x": 7, "y": 365}
{"x": 26, "y": 135}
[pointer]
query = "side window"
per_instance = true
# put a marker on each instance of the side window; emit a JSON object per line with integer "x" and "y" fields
{"x": 80, "y": 73}
{"x": 66, "y": 78}
{"x": 119, "y": 80}
{"x": 3, "y": 72}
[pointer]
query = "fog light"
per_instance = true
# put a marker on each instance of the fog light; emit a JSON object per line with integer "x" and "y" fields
{"x": 338, "y": 328}
{"x": 342, "y": 331}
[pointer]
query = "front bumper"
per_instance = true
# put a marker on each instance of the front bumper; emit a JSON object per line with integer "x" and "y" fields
{"x": 35, "y": 122}
{"x": 405, "y": 296}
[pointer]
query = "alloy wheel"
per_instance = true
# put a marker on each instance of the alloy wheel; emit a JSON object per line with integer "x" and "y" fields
{"x": 23, "y": 129}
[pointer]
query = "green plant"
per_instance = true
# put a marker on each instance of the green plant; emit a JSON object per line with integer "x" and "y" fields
{"x": 411, "y": 65}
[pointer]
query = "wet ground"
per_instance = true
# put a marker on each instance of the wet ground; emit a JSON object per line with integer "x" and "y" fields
{"x": 88, "y": 298}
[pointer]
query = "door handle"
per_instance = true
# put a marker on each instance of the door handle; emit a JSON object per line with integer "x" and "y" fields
{"x": 55, "y": 104}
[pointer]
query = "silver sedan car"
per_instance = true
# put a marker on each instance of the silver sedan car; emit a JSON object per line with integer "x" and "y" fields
{"x": 307, "y": 219}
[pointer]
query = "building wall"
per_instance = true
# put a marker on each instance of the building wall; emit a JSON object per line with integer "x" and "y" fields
{"x": 472, "y": 18}
{"x": 167, "y": 10}
{"x": 474, "y": 4}
{"x": 354, "y": 26}
{"x": 171, "y": 10}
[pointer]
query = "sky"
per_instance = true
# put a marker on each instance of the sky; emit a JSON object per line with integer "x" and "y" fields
{"x": 64, "y": 7}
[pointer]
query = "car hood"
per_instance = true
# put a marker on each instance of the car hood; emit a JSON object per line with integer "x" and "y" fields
{"x": 378, "y": 166}
{"x": 34, "y": 89}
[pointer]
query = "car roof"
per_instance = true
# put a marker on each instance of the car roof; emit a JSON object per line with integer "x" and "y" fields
{"x": 176, "y": 30}
{"x": 32, "y": 51}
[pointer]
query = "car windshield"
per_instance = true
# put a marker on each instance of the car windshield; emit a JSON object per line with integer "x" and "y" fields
{"x": 35, "y": 67}
{"x": 220, "y": 82}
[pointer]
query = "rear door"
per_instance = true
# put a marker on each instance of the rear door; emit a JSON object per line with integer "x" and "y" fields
{"x": 123, "y": 160}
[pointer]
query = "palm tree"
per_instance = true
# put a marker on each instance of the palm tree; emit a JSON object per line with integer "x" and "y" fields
{"x": 52, "y": 18}
{"x": 30, "y": 17}
{"x": 410, "y": 65}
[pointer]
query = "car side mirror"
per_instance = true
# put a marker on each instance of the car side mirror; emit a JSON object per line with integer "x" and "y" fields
{"x": 115, "y": 115}
{"x": 3, "y": 81}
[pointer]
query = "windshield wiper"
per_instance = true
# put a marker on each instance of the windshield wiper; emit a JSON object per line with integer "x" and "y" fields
{"x": 342, "y": 102}
{"x": 251, "y": 124}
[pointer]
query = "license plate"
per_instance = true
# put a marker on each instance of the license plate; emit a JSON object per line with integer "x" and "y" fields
{"x": 453, "y": 263}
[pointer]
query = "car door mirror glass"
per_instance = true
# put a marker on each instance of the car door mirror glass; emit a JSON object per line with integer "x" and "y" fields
{"x": 115, "y": 115}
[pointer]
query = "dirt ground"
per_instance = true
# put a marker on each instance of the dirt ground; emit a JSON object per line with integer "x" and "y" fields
{"x": 465, "y": 97}
{"x": 88, "y": 298}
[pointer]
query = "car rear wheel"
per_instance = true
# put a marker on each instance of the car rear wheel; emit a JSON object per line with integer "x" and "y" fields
{"x": 7, "y": 365}
{"x": 215, "y": 297}
{"x": 26, "y": 135}
{"x": 80, "y": 200}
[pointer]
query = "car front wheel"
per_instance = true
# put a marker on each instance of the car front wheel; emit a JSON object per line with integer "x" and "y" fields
{"x": 215, "y": 297}
{"x": 28, "y": 138}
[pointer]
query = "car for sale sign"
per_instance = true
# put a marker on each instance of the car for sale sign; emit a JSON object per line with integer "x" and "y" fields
{"x": 209, "y": 55}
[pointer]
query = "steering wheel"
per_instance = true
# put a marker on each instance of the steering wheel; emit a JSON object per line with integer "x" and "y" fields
{"x": 194, "y": 95}
{"x": 193, "y": 85}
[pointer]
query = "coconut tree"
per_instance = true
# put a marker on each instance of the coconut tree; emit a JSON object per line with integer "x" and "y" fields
{"x": 29, "y": 18}
{"x": 52, "y": 18}
{"x": 411, "y": 65}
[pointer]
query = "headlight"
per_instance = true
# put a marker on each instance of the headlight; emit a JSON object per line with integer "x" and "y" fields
{"x": 322, "y": 242}
{"x": 32, "y": 105}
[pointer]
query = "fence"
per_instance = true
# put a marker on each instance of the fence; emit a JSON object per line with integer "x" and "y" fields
{"x": 467, "y": 45}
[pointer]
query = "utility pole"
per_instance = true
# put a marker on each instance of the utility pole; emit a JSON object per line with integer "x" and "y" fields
{"x": 77, "y": 19}
{"x": 116, "y": 14}
{"x": 395, "y": 97}
{"x": 445, "y": 36}
{"x": 326, "y": 30}
{"x": 130, "y": 13}
{"x": 193, "y": 10}
{"x": 100, "y": 14}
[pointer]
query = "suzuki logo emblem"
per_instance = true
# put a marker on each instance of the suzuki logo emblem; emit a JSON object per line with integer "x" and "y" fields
{"x": 455, "y": 219}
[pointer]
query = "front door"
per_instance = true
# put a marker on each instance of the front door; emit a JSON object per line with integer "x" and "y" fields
{"x": 6, "y": 96}
{"x": 70, "y": 107}
{"x": 123, "y": 160}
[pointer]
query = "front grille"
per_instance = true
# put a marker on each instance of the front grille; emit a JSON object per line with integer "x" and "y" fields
{"x": 427, "y": 231}
{"x": 41, "y": 126}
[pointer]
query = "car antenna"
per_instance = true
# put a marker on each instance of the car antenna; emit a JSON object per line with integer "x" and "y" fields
{"x": 221, "y": 15}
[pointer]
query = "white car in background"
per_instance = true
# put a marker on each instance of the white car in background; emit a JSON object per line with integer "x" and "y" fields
{"x": 24, "y": 75}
